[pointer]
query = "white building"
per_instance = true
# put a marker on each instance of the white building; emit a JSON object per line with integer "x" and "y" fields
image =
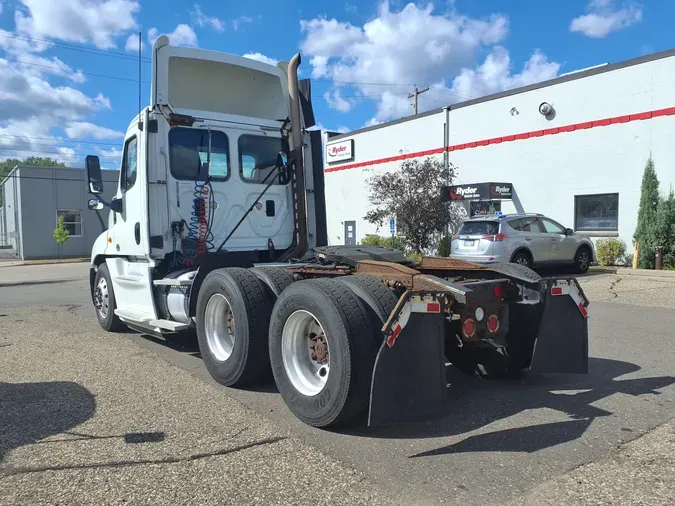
{"x": 579, "y": 159}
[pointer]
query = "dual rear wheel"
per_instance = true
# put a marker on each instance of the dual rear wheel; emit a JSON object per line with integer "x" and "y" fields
{"x": 319, "y": 337}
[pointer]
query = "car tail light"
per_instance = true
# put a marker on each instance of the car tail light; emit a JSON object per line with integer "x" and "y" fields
{"x": 455, "y": 237}
{"x": 493, "y": 323}
{"x": 469, "y": 328}
{"x": 498, "y": 291}
{"x": 495, "y": 237}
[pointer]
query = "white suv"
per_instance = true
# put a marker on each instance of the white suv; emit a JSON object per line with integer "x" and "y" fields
{"x": 526, "y": 239}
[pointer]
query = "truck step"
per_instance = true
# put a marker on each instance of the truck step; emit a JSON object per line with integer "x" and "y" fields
{"x": 169, "y": 325}
{"x": 133, "y": 315}
{"x": 172, "y": 282}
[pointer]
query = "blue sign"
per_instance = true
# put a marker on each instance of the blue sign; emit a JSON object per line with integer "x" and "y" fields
{"x": 392, "y": 226}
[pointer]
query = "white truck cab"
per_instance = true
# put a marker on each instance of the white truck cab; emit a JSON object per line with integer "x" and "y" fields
{"x": 205, "y": 169}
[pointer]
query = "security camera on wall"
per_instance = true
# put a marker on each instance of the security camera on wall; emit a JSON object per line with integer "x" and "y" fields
{"x": 545, "y": 108}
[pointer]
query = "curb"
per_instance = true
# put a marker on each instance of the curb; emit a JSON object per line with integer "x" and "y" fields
{"x": 647, "y": 273}
{"x": 21, "y": 263}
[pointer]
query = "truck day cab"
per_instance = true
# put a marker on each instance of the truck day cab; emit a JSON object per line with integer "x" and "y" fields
{"x": 218, "y": 226}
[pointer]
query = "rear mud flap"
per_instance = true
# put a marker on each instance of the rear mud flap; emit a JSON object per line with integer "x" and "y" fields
{"x": 409, "y": 379}
{"x": 562, "y": 340}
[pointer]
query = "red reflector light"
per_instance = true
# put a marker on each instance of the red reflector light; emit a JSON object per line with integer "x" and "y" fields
{"x": 493, "y": 323}
{"x": 498, "y": 291}
{"x": 433, "y": 307}
{"x": 556, "y": 290}
{"x": 469, "y": 328}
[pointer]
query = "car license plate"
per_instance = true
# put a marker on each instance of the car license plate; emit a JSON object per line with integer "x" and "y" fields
{"x": 468, "y": 243}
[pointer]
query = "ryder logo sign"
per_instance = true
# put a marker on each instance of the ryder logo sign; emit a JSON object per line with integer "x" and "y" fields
{"x": 501, "y": 191}
{"x": 340, "y": 151}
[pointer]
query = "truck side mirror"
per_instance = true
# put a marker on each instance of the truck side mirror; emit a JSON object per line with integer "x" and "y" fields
{"x": 284, "y": 168}
{"x": 95, "y": 204}
{"x": 94, "y": 177}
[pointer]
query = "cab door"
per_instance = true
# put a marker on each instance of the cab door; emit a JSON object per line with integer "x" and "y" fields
{"x": 130, "y": 231}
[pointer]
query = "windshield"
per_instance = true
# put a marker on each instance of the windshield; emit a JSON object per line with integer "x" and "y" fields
{"x": 188, "y": 153}
{"x": 479, "y": 228}
{"x": 258, "y": 157}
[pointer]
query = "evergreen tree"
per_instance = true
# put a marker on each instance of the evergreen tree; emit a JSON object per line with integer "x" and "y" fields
{"x": 665, "y": 228}
{"x": 646, "y": 230}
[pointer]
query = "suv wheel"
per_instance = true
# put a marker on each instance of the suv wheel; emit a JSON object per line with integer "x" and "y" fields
{"x": 522, "y": 258}
{"x": 582, "y": 260}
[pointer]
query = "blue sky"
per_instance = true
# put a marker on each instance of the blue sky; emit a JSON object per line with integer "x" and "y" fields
{"x": 68, "y": 68}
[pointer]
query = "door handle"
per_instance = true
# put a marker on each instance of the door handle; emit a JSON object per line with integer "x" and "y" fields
{"x": 527, "y": 238}
{"x": 137, "y": 233}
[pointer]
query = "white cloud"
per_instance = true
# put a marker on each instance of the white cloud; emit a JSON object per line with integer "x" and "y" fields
{"x": 236, "y": 23}
{"x": 97, "y": 22}
{"x": 605, "y": 17}
{"x": 383, "y": 59}
{"x": 201, "y": 20}
{"x": 84, "y": 130}
{"x": 261, "y": 58}
{"x": 337, "y": 102}
{"x": 183, "y": 35}
{"x": 131, "y": 45}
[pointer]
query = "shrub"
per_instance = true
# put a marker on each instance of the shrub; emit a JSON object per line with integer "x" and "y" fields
{"x": 385, "y": 242}
{"x": 610, "y": 250}
{"x": 444, "y": 247}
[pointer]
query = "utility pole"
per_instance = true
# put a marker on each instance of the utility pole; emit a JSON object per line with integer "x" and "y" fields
{"x": 416, "y": 94}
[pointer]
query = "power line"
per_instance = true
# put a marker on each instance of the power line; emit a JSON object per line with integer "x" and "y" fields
{"x": 62, "y": 140}
{"x": 56, "y": 153}
{"x": 15, "y": 176}
{"x": 78, "y": 71}
{"x": 76, "y": 47}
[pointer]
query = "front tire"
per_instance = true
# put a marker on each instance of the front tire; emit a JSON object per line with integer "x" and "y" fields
{"x": 104, "y": 301}
{"x": 322, "y": 351}
{"x": 233, "y": 314}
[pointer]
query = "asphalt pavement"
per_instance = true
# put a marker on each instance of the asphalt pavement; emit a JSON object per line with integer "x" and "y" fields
{"x": 135, "y": 418}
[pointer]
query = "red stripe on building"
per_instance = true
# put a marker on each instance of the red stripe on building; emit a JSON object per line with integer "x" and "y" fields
{"x": 669, "y": 111}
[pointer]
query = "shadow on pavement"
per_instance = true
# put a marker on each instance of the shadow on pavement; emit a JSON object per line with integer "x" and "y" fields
{"x": 475, "y": 403}
{"x": 30, "y": 412}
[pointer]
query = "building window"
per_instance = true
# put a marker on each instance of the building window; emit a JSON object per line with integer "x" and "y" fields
{"x": 597, "y": 212}
{"x": 72, "y": 221}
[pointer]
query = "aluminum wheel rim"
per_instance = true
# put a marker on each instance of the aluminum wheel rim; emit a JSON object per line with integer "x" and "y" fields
{"x": 219, "y": 327}
{"x": 102, "y": 298}
{"x": 583, "y": 260}
{"x": 522, "y": 261}
{"x": 303, "y": 344}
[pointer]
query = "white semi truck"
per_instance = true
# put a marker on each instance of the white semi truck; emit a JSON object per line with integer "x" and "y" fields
{"x": 218, "y": 226}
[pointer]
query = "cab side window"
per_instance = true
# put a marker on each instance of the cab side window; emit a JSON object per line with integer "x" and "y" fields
{"x": 129, "y": 165}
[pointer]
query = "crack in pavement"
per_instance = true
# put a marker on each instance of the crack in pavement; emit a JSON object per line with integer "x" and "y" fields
{"x": 11, "y": 471}
{"x": 613, "y": 285}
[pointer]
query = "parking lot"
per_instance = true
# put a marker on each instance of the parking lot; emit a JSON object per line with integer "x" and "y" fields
{"x": 90, "y": 417}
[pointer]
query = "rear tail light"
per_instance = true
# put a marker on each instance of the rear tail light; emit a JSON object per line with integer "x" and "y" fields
{"x": 498, "y": 291}
{"x": 493, "y": 323}
{"x": 495, "y": 237}
{"x": 469, "y": 328}
{"x": 455, "y": 237}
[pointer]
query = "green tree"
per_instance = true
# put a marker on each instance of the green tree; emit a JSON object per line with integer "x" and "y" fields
{"x": 646, "y": 230}
{"x": 6, "y": 166}
{"x": 413, "y": 195}
{"x": 665, "y": 228}
{"x": 61, "y": 235}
